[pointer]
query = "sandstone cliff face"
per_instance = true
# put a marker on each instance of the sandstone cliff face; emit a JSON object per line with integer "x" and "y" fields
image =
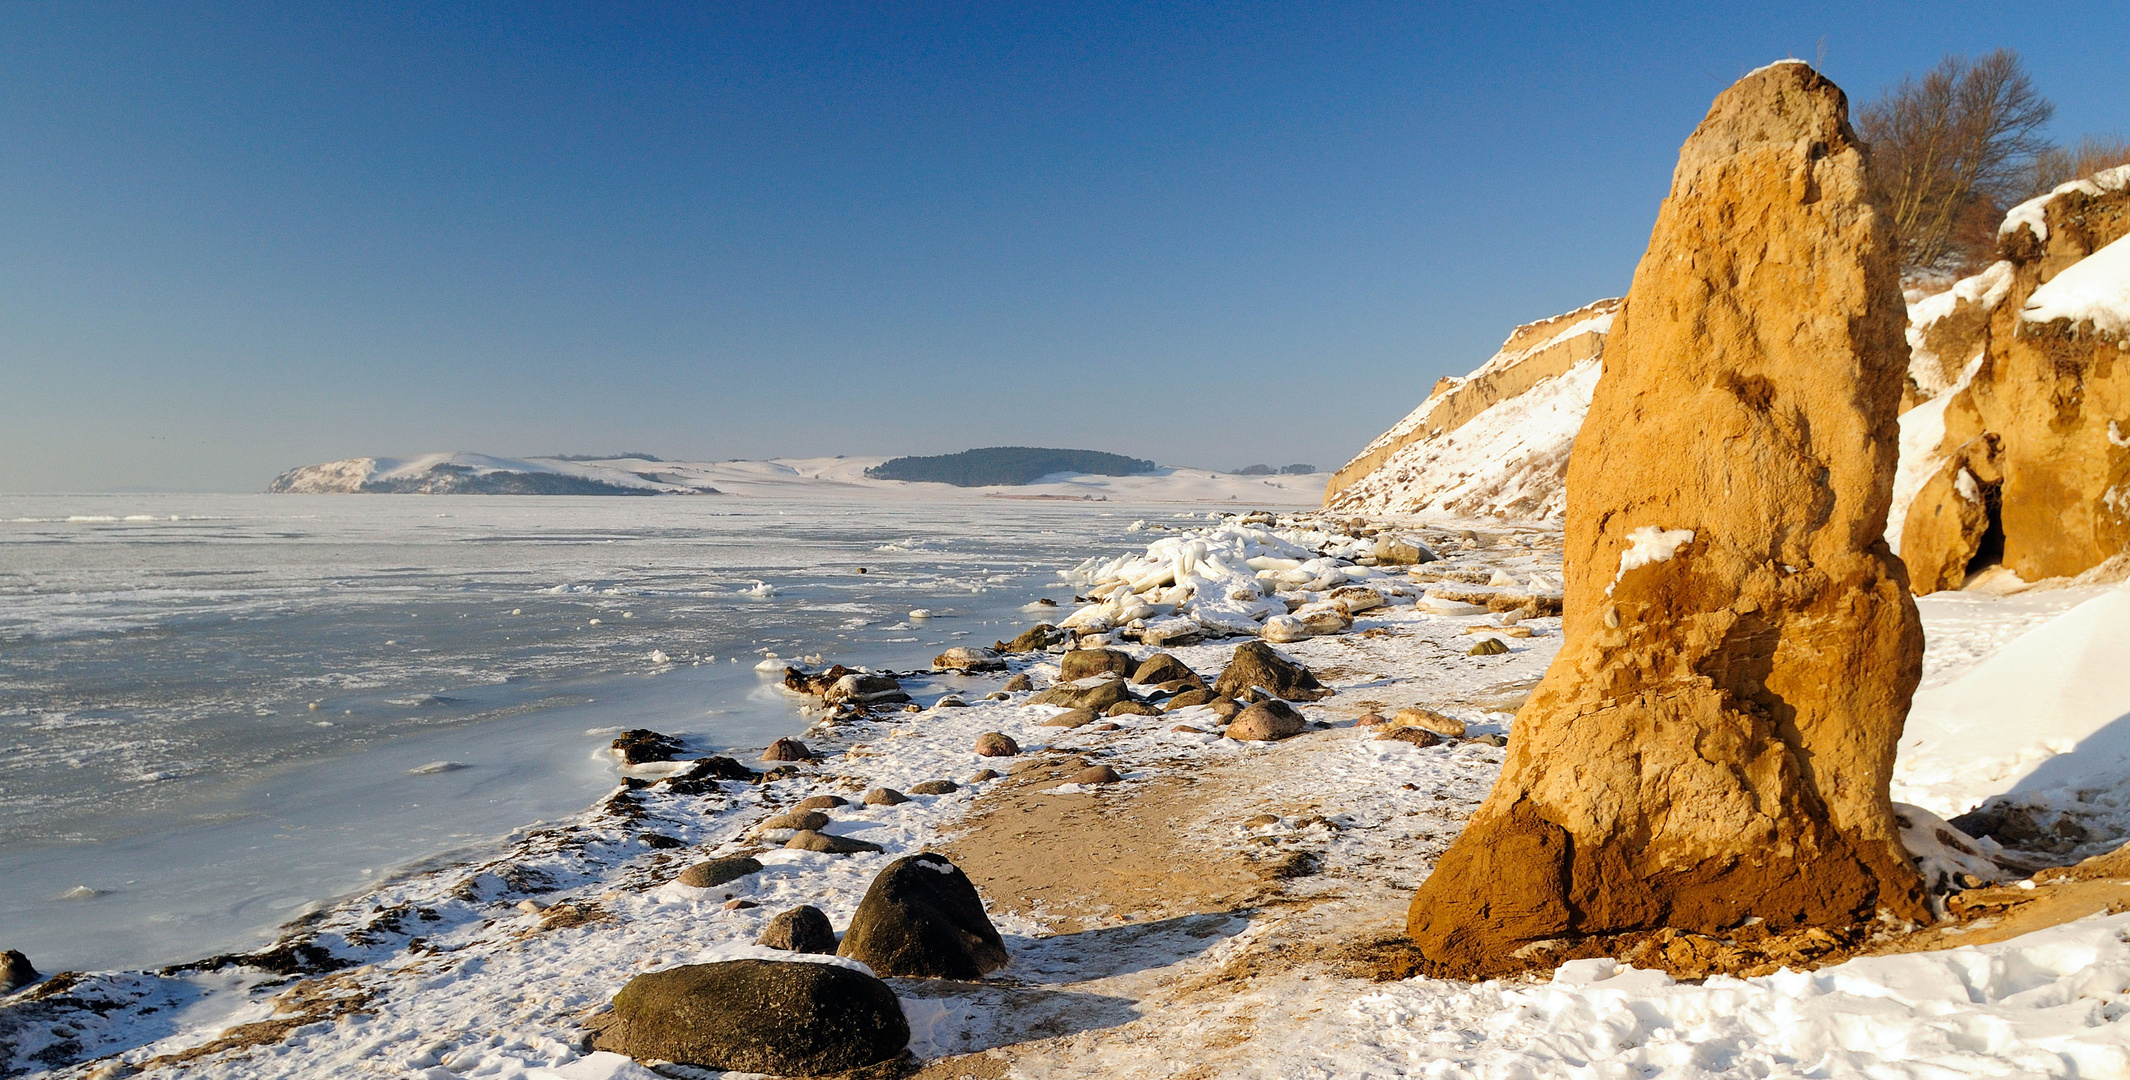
{"x": 2018, "y": 448}
{"x": 1714, "y": 740}
{"x": 1494, "y": 443}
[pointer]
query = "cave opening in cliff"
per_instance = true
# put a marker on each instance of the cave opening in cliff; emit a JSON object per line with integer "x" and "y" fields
{"x": 1989, "y": 551}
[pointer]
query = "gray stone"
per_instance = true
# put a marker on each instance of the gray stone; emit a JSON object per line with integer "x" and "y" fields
{"x": 935, "y": 787}
{"x": 885, "y": 796}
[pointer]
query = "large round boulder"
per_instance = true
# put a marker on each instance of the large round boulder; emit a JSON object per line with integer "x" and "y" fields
{"x": 785, "y": 1018}
{"x": 1267, "y": 721}
{"x": 922, "y": 917}
{"x": 1097, "y": 692}
{"x": 1081, "y": 663}
{"x": 1163, "y": 668}
{"x": 1259, "y": 665}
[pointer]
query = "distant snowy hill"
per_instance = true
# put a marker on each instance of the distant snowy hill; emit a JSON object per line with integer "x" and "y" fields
{"x": 463, "y": 474}
{"x": 814, "y": 478}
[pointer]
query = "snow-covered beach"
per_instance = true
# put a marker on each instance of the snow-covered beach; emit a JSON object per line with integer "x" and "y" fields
{"x": 1209, "y": 915}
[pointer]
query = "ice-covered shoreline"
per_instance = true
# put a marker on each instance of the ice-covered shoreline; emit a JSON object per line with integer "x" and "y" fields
{"x": 492, "y": 969}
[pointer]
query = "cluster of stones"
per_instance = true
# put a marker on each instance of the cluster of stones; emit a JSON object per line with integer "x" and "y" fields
{"x": 920, "y": 918}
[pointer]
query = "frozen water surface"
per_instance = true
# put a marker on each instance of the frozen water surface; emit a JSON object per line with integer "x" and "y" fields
{"x": 217, "y": 710}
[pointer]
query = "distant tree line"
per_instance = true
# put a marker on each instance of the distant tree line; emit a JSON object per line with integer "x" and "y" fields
{"x": 1267, "y": 470}
{"x": 1008, "y": 466}
{"x": 624, "y": 455}
{"x": 1956, "y": 147}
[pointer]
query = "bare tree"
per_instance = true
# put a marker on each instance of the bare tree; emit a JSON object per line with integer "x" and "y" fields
{"x": 1953, "y": 148}
{"x": 2061, "y": 164}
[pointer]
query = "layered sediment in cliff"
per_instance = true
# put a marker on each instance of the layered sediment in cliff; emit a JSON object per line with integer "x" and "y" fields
{"x": 1493, "y": 443}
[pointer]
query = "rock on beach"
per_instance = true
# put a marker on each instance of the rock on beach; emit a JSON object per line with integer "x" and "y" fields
{"x": 802, "y": 929}
{"x": 922, "y": 917}
{"x": 784, "y": 1018}
{"x": 705, "y": 875}
{"x": 1267, "y": 721}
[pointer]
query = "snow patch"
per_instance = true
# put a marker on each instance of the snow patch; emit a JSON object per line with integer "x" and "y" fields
{"x": 1649, "y": 544}
{"x": 2094, "y": 291}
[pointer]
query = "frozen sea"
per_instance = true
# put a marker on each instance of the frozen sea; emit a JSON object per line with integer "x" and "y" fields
{"x": 218, "y": 711}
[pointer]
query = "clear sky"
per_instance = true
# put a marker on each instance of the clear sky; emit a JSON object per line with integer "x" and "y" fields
{"x": 237, "y": 238}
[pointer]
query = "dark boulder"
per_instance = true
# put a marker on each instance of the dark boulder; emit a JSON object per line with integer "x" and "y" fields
{"x": 639, "y": 746}
{"x": 802, "y": 929}
{"x": 1258, "y": 665}
{"x": 702, "y": 777}
{"x": 786, "y": 1018}
{"x": 922, "y": 917}
{"x": 814, "y": 683}
{"x": 15, "y": 972}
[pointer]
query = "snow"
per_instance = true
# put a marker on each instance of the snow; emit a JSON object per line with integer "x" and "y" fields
{"x": 1651, "y": 544}
{"x": 827, "y": 478}
{"x": 2046, "y": 1004}
{"x": 500, "y": 988}
{"x": 2047, "y": 714}
{"x": 1985, "y": 290}
{"x": 2094, "y": 291}
{"x": 1922, "y": 439}
{"x": 2033, "y": 213}
{"x": 1509, "y": 461}
{"x": 1502, "y": 359}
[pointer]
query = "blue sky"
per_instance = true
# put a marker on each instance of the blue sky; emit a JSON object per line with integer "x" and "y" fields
{"x": 234, "y": 238}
